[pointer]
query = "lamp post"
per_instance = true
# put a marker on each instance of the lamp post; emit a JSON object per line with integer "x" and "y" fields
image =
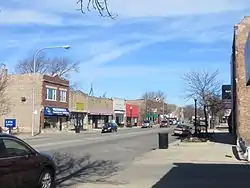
{"x": 195, "y": 115}
{"x": 131, "y": 115}
{"x": 34, "y": 72}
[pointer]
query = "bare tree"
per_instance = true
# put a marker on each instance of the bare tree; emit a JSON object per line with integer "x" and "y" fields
{"x": 4, "y": 101}
{"x": 202, "y": 85}
{"x": 188, "y": 112}
{"x": 55, "y": 66}
{"x": 216, "y": 107}
{"x": 153, "y": 102}
{"x": 101, "y": 6}
{"x": 171, "y": 108}
{"x": 153, "y": 95}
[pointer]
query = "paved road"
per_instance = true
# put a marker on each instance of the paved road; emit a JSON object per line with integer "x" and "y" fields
{"x": 95, "y": 156}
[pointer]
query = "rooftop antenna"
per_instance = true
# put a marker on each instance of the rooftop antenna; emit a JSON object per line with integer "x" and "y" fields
{"x": 91, "y": 92}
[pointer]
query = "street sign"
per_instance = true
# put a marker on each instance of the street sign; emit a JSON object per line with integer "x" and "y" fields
{"x": 10, "y": 123}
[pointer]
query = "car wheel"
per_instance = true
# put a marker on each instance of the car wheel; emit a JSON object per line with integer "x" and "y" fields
{"x": 46, "y": 179}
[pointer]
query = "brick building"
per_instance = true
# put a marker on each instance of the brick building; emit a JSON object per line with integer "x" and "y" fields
{"x": 240, "y": 67}
{"x": 149, "y": 109}
{"x": 51, "y": 102}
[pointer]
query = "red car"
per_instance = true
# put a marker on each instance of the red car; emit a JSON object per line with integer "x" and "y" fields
{"x": 23, "y": 166}
{"x": 164, "y": 123}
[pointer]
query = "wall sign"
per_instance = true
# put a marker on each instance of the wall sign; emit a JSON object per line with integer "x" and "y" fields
{"x": 54, "y": 111}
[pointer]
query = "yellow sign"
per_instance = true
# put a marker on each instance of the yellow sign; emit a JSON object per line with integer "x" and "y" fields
{"x": 79, "y": 106}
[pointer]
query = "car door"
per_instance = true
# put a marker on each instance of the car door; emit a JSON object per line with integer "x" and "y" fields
{"x": 7, "y": 176}
{"x": 25, "y": 167}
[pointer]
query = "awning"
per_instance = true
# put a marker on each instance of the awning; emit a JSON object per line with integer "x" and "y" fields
{"x": 55, "y": 111}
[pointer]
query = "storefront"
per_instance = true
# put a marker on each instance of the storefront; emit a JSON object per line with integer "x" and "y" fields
{"x": 119, "y": 109}
{"x": 79, "y": 116}
{"x": 55, "y": 118}
{"x": 98, "y": 119}
{"x": 152, "y": 117}
{"x": 132, "y": 114}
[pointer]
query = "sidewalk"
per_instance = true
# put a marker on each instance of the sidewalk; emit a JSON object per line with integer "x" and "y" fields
{"x": 183, "y": 165}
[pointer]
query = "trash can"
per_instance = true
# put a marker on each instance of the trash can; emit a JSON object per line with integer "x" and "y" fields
{"x": 77, "y": 129}
{"x": 163, "y": 140}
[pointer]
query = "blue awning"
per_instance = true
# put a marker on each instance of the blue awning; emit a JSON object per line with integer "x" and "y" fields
{"x": 55, "y": 111}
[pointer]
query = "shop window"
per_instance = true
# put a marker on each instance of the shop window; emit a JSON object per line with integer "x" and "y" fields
{"x": 63, "y": 96}
{"x": 51, "y": 94}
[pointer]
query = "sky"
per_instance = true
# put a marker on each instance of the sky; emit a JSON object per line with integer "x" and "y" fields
{"x": 149, "y": 46}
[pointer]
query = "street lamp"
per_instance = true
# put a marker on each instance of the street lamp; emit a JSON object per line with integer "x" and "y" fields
{"x": 131, "y": 115}
{"x": 195, "y": 115}
{"x": 34, "y": 72}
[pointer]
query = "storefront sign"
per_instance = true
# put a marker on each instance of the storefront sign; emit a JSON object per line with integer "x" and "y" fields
{"x": 54, "y": 111}
{"x": 119, "y": 105}
{"x": 226, "y": 92}
{"x": 79, "y": 106}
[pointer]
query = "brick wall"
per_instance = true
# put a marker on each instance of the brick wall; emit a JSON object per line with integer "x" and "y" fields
{"x": 58, "y": 83}
{"x": 241, "y": 92}
{"x": 20, "y": 86}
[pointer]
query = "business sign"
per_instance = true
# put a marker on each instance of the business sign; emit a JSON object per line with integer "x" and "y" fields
{"x": 79, "y": 106}
{"x": 119, "y": 105}
{"x": 226, "y": 92}
{"x": 10, "y": 123}
{"x": 54, "y": 111}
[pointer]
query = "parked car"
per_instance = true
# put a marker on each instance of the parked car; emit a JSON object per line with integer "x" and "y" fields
{"x": 146, "y": 124}
{"x": 109, "y": 127}
{"x": 182, "y": 130}
{"x": 164, "y": 123}
{"x": 23, "y": 166}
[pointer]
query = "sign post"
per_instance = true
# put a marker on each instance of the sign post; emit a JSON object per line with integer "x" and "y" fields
{"x": 10, "y": 123}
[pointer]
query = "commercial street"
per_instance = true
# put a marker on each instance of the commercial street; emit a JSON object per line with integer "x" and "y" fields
{"x": 87, "y": 157}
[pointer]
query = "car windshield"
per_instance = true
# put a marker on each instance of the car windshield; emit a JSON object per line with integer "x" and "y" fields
{"x": 164, "y": 121}
{"x": 146, "y": 121}
{"x": 180, "y": 126}
{"x": 107, "y": 125}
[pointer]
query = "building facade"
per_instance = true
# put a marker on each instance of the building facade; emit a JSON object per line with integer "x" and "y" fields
{"x": 132, "y": 114}
{"x": 149, "y": 109}
{"x": 240, "y": 74}
{"x": 100, "y": 111}
{"x": 54, "y": 114}
{"x": 78, "y": 106}
{"x": 119, "y": 111}
{"x": 50, "y": 97}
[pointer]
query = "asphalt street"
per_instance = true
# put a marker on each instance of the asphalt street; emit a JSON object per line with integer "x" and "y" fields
{"x": 87, "y": 157}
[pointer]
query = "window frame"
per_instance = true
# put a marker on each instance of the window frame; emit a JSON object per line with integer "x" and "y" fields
{"x": 23, "y": 144}
{"x": 47, "y": 93}
{"x": 61, "y": 96}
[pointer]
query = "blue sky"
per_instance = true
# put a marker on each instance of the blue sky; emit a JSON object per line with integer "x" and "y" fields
{"x": 148, "y": 47}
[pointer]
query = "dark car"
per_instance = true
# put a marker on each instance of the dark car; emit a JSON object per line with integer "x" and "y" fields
{"x": 22, "y": 166}
{"x": 109, "y": 127}
{"x": 182, "y": 130}
{"x": 164, "y": 123}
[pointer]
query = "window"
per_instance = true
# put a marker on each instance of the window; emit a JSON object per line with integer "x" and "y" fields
{"x": 63, "y": 96}
{"x": 15, "y": 148}
{"x": 51, "y": 94}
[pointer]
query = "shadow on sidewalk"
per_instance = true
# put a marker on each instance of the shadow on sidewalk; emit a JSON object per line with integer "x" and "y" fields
{"x": 72, "y": 171}
{"x": 190, "y": 175}
{"x": 223, "y": 138}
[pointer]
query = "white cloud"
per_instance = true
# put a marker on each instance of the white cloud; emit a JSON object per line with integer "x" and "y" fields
{"x": 17, "y": 16}
{"x": 149, "y": 8}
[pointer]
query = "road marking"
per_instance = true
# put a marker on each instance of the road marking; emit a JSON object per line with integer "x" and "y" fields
{"x": 56, "y": 143}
